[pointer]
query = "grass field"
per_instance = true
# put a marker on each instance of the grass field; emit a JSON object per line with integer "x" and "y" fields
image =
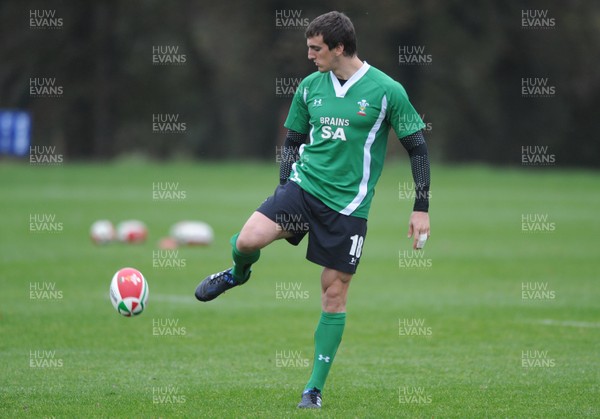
{"x": 499, "y": 317}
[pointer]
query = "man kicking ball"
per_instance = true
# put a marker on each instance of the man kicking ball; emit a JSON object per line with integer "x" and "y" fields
{"x": 346, "y": 110}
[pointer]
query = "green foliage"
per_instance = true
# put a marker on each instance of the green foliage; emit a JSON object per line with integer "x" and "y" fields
{"x": 235, "y": 54}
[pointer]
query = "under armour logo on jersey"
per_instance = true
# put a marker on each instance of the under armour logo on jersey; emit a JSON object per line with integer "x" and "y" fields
{"x": 317, "y": 102}
{"x": 324, "y": 358}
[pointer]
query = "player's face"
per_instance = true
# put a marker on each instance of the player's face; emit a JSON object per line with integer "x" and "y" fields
{"x": 324, "y": 58}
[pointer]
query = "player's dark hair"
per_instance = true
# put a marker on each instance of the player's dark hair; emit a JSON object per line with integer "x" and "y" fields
{"x": 336, "y": 28}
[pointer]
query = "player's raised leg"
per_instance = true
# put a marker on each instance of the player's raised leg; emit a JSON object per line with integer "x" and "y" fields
{"x": 258, "y": 232}
{"x": 328, "y": 335}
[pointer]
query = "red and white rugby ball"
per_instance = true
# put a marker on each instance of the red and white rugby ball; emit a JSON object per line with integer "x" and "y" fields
{"x": 102, "y": 232}
{"x": 132, "y": 231}
{"x": 129, "y": 292}
{"x": 192, "y": 233}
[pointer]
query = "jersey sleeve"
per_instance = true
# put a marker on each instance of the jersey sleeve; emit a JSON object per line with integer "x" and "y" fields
{"x": 402, "y": 117}
{"x": 298, "y": 117}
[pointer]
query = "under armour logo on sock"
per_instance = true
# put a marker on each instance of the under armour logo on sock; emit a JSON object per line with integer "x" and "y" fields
{"x": 324, "y": 358}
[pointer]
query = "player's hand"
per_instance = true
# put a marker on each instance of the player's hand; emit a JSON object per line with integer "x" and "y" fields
{"x": 417, "y": 225}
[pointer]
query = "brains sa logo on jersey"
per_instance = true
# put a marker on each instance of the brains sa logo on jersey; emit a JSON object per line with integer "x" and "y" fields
{"x": 362, "y": 105}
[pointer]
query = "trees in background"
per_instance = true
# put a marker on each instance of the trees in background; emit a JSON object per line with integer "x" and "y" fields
{"x": 213, "y": 79}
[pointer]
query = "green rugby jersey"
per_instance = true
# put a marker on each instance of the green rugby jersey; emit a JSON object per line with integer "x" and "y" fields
{"x": 348, "y": 129}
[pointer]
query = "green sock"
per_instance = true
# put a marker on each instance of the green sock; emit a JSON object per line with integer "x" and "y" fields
{"x": 327, "y": 339}
{"x": 241, "y": 261}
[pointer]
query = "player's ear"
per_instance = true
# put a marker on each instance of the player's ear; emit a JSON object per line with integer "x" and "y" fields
{"x": 339, "y": 49}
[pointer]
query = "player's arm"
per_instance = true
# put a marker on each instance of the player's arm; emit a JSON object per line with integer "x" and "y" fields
{"x": 290, "y": 152}
{"x": 416, "y": 147}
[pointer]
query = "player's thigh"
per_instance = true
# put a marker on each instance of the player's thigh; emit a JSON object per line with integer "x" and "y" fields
{"x": 258, "y": 232}
{"x": 336, "y": 241}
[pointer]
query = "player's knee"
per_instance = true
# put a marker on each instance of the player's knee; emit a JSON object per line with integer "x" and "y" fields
{"x": 246, "y": 242}
{"x": 257, "y": 233}
{"x": 332, "y": 277}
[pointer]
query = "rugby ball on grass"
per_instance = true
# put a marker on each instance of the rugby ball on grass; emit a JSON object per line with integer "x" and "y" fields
{"x": 102, "y": 232}
{"x": 129, "y": 292}
{"x": 192, "y": 233}
{"x": 132, "y": 231}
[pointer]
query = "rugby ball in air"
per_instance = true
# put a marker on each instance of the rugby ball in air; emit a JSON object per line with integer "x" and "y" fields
{"x": 192, "y": 233}
{"x": 132, "y": 231}
{"x": 129, "y": 292}
{"x": 102, "y": 232}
